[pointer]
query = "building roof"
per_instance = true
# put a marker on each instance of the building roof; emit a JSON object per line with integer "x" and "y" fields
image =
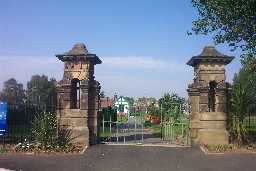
{"x": 79, "y": 52}
{"x": 210, "y": 54}
{"x": 106, "y": 102}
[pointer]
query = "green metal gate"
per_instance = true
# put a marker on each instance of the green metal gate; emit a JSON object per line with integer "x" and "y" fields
{"x": 128, "y": 132}
{"x": 176, "y": 132}
{"x": 135, "y": 132}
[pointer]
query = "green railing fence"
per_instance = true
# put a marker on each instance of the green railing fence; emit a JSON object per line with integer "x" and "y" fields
{"x": 19, "y": 122}
{"x": 250, "y": 123}
{"x": 176, "y": 132}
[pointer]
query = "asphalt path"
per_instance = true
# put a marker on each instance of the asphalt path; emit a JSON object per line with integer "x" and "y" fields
{"x": 131, "y": 158}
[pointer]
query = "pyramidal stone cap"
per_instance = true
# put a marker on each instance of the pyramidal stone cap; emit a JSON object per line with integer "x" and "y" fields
{"x": 78, "y": 49}
{"x": 79, "y": 52}
{"x": 210, "y": 54}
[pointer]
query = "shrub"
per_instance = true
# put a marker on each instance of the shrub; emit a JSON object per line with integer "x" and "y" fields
{"x": 239, "y": 104}
{"x": 45, "y": 129}
{"x": 47, "y": 137}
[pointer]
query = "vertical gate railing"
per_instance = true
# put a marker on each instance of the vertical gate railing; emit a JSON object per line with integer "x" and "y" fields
{"x": 132, "y": 131}
{"x": 176, "y": 132}
{"x": 123, "y": 132}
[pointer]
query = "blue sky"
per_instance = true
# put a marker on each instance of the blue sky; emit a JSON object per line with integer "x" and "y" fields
{"x": 143, "y": 43}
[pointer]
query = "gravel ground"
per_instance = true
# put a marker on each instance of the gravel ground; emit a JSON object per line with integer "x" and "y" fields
{"x": 131, "y": 158}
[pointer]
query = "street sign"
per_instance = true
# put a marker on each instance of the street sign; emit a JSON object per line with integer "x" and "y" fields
{"x": 3, "y": 112}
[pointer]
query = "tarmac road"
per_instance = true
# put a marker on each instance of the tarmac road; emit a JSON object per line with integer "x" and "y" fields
{"x": 131, "y": 158}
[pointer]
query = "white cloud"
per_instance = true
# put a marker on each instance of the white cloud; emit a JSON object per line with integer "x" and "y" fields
{"x": 142, "y": 63}
{"x": 23, "y": 67}
{"x": 143, "y": 76}
{"x": 134, "y": 62}
{"x": 131, "y": 76}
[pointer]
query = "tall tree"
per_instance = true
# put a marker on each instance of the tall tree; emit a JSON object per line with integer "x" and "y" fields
{"x": 242, "y": 103}
{"x": 246, "y": 80}
{"x": 13, "y": 92}
{"x": 153, "y": 109}
{"x": 229, "y": 21}
{"x": 171, "y": 106}
{"x": 144, "y": 102}
{"x": 41, "y": 91}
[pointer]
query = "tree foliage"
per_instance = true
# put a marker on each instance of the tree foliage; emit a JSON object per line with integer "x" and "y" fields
{"x": 230, "y": 21}
{"x": 13, "y": 92}
{"x": 171, "y": 106}
{"x": 41, "y": 91}
{"x": 143, "y": 104}
{"x": 154, "y": 110}
{"x": 249, "y": 63}
{"x": 242, "y": 103}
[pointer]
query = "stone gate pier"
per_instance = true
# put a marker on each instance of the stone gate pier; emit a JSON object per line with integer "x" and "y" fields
{"x": 78, "y": 96}
{"x": 208, "y": 97}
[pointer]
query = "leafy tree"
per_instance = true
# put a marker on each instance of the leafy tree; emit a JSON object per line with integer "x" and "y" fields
{"x": 13, "y": 92}
{"x": 242, "y": 102}
{"x": 229, "y": 21}
{"x": 153, "y": 109}
{"x": 249, "y": 63}
{"x": 143, "y": 103}
{"x": 170, "y": 104}
{"x": 247, "y": 80}
{"x": 42, "y": 92}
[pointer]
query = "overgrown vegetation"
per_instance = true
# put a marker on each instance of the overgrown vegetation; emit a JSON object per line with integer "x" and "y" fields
{"x": 242, "y": 104}
{"x": 47, "y": 137}
{"x": 45, "y": 129}
{"x": 171, "y": 105}
{"x": 239, "y": 103}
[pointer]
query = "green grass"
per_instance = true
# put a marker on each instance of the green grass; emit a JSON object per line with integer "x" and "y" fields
{"x": 106, "y": 132}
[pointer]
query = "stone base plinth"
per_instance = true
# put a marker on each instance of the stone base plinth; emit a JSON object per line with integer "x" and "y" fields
{"x": 213, "y": 136}
{"x": 79, "y": 136}
{"x": 72, "y": 123}
{"x": 210, "y": 128}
